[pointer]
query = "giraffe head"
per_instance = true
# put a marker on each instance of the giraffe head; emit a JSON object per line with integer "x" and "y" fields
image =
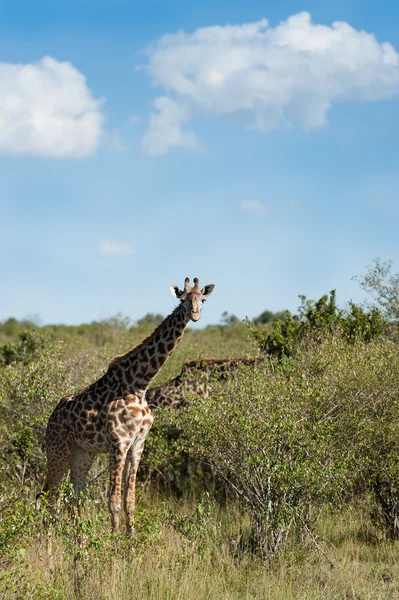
{"x": 192, "y": 298}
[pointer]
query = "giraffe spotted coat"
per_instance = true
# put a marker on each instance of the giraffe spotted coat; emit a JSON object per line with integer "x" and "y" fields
{"x": 112, "y": 414}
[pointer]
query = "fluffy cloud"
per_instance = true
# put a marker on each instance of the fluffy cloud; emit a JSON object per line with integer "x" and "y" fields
{"x": 113, "y": 248}
{"x": 47, "y": 109}
{"x": 254, "y": 207}
{"x": 165, "y": 129}
{"x": 285, "y": 76}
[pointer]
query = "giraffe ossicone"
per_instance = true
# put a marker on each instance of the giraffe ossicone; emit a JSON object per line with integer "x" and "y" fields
{"x": 112, "y": 415}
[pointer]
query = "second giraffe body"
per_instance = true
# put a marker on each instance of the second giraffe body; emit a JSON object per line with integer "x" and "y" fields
{"x": 112, "y": 414}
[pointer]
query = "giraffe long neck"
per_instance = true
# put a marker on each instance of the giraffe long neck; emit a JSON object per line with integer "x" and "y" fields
{"x": 139, "y": 366}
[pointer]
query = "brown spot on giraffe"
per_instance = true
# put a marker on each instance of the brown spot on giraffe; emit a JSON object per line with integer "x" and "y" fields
{"x": 112, "y": 415}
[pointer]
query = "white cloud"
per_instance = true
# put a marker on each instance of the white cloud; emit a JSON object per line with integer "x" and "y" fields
{"x": 285, "y": 76}
{"x": 165, "y": 130}
{"x": 254, "y": 207}
{"x": 113, "y": 248}
{"x": 47, "y": 109}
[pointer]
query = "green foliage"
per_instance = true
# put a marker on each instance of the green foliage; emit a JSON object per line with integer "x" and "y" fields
{"x": 266, "y": 317}
{"x": 227, "y": 319}
{"x": 383, "y": 287}
{"x": 11, "y": 329}
{"x": 270, "y": 317}
{"x": 119, "y": 321}
{"x": 30, "y": 345}
{"x": 198, "y": 528}
{"x": 259, "y": 442}
{"x": 294, "y": 435}
{"x": 42, "y": 372}
{"x": 314, "y": 322}
{"x": 27, "y": 389}
{"x": 361, "y": 324}
{"x": 323, "y": 315}
{"x": 151, "y": 320}
{"x": 163, "y": 462}
{"x": 282, "y": 339}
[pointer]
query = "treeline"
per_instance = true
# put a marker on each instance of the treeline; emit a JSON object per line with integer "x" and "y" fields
{"x": 101, "y": 332}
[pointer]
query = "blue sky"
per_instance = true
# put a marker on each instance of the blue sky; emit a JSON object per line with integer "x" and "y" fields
{"x": 261, "y": 157}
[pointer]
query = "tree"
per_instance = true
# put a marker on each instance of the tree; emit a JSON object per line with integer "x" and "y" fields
{"x": 266, "y": 317}
{"x": 150, "y": 319}
{"x": 315, "y": 320}
{"x": 382, "y": 286}
{"x": 228, "y": 320}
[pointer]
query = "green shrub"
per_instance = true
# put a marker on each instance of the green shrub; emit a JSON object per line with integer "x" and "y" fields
{"x": 293, "y": 435}
{"x": 315, "y": 321}
{"x": 31, "y": 343}
{"x": 383, "y": 287}
{"x": 40, "y": 373}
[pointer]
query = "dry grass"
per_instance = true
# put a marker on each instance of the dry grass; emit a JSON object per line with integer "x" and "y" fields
{"x": 181, "y": 559}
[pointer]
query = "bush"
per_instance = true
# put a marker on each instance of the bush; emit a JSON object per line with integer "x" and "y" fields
{"x": 383, "y": 287}
{"x": 314, "y": 322}
{"x": 292, "y": 435}
{"x": 29, "y": 347}
{"x": 35, "y": 375}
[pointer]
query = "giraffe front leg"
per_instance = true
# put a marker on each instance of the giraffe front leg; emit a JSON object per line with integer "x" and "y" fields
{"x": 130, "y": 472}
{"x": 117, "y": 462}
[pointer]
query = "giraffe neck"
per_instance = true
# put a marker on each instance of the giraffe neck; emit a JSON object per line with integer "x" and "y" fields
{"x": 138, "y": 367}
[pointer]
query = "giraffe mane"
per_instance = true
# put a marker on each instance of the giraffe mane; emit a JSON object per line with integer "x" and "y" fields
{"x": 114, "y": 360}
{"x": 119, "y": 357}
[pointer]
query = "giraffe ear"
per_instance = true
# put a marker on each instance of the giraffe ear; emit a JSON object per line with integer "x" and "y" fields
{"x": 175, "y": 291}
{"x": 207, "y": 290}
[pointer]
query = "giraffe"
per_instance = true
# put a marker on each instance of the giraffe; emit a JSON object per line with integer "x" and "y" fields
{"x": 112, "y": 415}
{"x": 174, "y": 393}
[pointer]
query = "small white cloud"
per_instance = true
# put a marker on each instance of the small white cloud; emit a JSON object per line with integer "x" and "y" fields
{"x": 270, "y": 77}
{"x": 113, "y": 248}
{"x": 254, "y": 207}
{"x": 46, "y": 109}
{"x": 166, "y": 128}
